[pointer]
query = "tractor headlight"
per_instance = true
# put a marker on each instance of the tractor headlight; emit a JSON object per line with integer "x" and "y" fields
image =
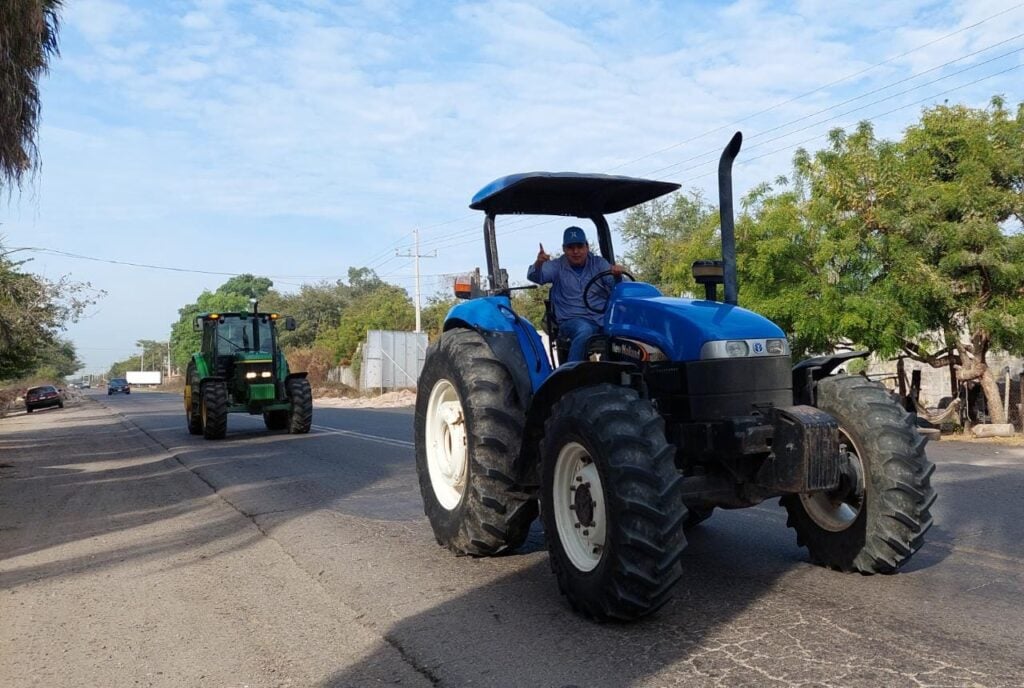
{"x": 250, "y": 375}
{"x": 743, "y": 348}
{"x": 737, "y": 349}
{"x": 265, "y": 373}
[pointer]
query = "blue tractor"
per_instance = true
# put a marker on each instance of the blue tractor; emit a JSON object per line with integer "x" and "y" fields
{"x": 685, "y": 405}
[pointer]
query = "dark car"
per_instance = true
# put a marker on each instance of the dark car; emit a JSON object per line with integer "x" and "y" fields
{"x": 41, "y": 397}
{"x": 118, "y": 384}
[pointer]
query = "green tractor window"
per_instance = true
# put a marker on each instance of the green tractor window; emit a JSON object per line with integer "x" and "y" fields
{"x": 244, "y": 334}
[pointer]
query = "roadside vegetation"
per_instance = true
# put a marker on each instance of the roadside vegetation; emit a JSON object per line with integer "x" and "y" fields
{"x": 911, "y": 247}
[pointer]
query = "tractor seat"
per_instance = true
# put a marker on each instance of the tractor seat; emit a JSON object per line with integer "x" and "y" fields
{"x": 559, "y": 344}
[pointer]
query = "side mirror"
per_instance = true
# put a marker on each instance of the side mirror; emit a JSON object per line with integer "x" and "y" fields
{"x": 289, "y": 323}
{"x": 197, "y": 324}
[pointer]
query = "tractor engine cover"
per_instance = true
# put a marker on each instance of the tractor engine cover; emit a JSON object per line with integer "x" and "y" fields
{"x": 805, "y": 451}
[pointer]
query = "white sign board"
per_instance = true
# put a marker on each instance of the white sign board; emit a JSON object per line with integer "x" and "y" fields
{"x": 143, "y": 377}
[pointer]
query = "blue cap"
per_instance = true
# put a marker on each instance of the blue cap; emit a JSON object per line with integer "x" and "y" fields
{"x": 573, "y": 235}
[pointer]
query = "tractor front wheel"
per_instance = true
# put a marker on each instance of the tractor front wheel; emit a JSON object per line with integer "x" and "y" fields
{"x": 193, "y": 412}
{"x": 469, "y": 427}
{"x": 300, "y": 416}
{"x": 213, "y": 409}
{"x": 611, "y": 503}
{"x": 877, "y": 517}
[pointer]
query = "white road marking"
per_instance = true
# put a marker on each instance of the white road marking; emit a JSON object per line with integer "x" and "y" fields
{"x": 363, "y": 436}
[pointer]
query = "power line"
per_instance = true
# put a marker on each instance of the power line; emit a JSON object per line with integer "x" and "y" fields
{"x": 820, "y": 88}
{"x": 747, "y": 161}
{"x": 460, "y": 233}
{"x": 716, "y": 152}
{"x": 111, "y": 261}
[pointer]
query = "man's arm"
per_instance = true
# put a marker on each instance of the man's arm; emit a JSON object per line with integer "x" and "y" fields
{"x": 542, "y": 271}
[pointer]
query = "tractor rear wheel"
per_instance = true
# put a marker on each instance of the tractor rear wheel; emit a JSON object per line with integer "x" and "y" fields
{"x": 213, "y": 409}
{"x": 611, "y": 503}
{"x": 469, "y": 427}
{"x": 877, "y": 518}
{"x": 275, "y": 420}
{"x": 193, "y": 412}
{"x": 300, "y": 417}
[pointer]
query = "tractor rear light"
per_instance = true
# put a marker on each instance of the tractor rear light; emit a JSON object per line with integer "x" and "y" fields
{"x": 463, "y": 287}
{"x": 737, "y": 349}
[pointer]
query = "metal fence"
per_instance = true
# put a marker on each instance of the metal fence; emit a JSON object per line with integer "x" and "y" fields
{"x": 392, "y": 360}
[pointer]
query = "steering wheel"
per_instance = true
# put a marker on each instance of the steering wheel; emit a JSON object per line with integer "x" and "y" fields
{"x": 607, "y": 289}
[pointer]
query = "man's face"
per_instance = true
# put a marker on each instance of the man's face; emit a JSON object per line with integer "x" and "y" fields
{"x": 576, "y": 253}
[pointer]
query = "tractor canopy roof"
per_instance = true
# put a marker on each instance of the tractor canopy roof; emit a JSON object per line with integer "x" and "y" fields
{"x": 566, "y": 193}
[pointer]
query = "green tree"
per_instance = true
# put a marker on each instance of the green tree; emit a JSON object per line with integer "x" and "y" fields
{"x": 937, "y": 275}
{"x": 316, "y": 308}
{"x": 57, "y": 360}
{"x": 249, "y": 286}
{"x": 33, "y": 311}
{"x": 654, "y": 231}
{"x": 28, "y": 40}
{"x": 384, "y": 308}
{"x": 433, "y": 314}
{"x": 901, "y": 247}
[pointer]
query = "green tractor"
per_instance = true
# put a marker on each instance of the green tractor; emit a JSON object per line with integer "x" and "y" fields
{"x": 241, "y": 370}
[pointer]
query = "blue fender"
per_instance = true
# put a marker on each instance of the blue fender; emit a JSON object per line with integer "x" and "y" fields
{"x": 512, "y": 338}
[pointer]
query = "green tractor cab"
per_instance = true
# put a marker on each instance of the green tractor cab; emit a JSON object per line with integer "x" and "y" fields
{"x": 240, "y": 369}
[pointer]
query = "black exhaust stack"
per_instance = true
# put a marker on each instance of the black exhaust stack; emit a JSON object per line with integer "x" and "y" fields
{"x": 726, "y": 216}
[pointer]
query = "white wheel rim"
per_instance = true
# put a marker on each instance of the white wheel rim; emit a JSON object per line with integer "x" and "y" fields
{"x": 584, "y": 543}
{"x": 447, "y": 453}
{"x": 837, "y": 513}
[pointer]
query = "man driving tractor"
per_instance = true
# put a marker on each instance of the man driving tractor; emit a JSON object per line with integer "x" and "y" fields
{"x": 568, "y": 275}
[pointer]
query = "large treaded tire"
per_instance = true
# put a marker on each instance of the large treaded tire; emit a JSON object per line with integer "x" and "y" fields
{"x": 193, "y": 403}
{"x": 300, "y": 416}
{"x": 886, "y": 522}
{"x": 635, "y": 570}
{"x": 490, "y": 513}
{"x": 214, "y": 409}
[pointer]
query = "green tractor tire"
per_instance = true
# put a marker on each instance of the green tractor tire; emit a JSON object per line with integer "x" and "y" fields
{"x": 193, "y": 411}
{"x": 214, "y": 409}
{"x": 300, "y": 417}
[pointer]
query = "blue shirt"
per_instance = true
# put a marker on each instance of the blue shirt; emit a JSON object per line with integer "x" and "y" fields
{"x": 567, "y": 286}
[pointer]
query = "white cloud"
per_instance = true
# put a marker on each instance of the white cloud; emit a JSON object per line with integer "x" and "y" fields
{"x": 101, "y": 20}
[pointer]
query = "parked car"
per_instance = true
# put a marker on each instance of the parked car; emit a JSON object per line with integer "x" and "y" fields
{"x": 118, "y": 384}
{"x": 42, "y": 397}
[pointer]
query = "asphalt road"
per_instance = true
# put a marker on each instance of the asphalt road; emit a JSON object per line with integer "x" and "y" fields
{"x": 132, "y": 553}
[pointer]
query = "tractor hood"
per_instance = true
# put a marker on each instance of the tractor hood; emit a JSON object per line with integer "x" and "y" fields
{"x": 680, "y": 327}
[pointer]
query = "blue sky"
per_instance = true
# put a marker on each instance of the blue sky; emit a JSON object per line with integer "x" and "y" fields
{"x": 297, "y": 139}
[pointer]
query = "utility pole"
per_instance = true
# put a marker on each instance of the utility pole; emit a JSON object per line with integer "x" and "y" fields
{"x": 415, "y": 255}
